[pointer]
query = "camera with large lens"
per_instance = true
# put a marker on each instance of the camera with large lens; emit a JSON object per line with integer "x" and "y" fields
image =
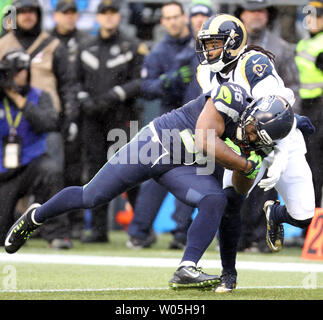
{"x": 11, "y": 64}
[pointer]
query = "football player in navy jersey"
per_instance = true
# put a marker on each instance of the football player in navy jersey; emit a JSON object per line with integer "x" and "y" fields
{"x": 184, "y": 150}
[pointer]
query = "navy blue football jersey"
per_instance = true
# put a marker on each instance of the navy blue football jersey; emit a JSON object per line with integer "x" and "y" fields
{"x": 176, "y": 129}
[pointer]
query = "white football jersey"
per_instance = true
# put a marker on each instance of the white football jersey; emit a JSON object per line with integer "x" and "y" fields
{"x": 254, "y": 72}
{"x": 258, "y": 76}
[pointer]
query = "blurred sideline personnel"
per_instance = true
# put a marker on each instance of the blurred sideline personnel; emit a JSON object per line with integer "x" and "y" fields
{"x": 168, "y": 74}
{"x": 225, "y": 56}
{"x": 108, "y": 71}
{"x": 66, "y": 17}
{"x": 309, "y": 60}
{"x": 258, "y": 18}
{"x": 26, "y": 116}
{"x": 50, "y": 71}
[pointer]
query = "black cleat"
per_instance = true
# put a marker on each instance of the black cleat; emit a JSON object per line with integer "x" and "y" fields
{"x": 21, "y": 230}
{"x": 275, "y": 232}
{"x": 136, "y": 243}
{"x": 192, "y": 277}
{"x": 228, "y": 283}
{"x": 176, "y": 244}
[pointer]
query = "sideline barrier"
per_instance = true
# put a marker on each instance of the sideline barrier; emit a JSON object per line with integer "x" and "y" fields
{"x": 313, "y": 245}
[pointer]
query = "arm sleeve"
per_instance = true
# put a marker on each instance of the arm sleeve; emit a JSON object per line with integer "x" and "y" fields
{"x": 43, "y": 117}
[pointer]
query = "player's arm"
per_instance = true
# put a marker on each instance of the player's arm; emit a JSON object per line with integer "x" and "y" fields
{"x": 210, "y": 127}
{"x": 240, "y": 182}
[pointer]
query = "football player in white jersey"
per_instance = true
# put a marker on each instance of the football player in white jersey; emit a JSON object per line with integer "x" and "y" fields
{"x": 225, "y": 56}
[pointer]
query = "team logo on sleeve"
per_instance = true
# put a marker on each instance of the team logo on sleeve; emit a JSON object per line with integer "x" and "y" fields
{"x": 224, "y": 94}
{"x": 259, "y": 69}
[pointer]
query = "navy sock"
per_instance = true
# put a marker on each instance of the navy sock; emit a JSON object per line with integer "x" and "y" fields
{"x": 230, "y": 230}
{"x": 204, "y": 227}
{"x": 70, "y": 198}
{"x": 280, "y": 215}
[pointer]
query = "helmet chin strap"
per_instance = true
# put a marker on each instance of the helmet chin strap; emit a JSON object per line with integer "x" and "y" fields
{"x": 217, "y": 66}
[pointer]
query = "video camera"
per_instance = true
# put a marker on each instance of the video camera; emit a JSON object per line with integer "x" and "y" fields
{"x": 12, "y": 63}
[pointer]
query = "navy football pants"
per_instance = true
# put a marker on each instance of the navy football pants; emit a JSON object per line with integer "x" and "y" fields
{"x": 141, "y": 159}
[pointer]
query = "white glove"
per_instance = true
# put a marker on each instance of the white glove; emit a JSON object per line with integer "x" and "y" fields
{"x": 276, "y": 162}
{"x": 72, "y": 132}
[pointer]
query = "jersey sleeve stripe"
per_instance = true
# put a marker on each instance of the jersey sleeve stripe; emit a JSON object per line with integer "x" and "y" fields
{"x": 221, "y": 107}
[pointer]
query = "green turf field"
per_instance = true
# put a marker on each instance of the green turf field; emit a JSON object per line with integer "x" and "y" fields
{"x": 93, "y": 278}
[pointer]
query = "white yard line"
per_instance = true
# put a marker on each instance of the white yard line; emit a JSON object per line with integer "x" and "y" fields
{"x": 154, "y": 262}
{"x": 136, "y": 289}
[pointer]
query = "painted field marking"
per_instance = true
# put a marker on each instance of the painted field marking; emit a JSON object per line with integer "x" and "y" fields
{"x": 137, "y": 289}
{"x": 155, "y": 262}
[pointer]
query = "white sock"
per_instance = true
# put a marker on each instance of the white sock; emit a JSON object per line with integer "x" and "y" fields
{"x": 33, "y": 218}
{"x": 187, "y": 263}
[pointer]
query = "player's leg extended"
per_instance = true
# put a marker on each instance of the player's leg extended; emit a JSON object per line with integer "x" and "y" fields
{"x": 121, "y": 172}
{"x": 296, "y": 189}
{"x": 205, "y": 193}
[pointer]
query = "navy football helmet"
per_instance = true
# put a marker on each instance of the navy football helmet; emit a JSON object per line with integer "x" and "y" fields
{"x": 273, "y": 118}
{"x": 223, "y": 27}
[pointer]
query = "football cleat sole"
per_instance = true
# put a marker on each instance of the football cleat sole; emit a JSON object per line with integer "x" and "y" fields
{"x": 205, "y": 285}
{"x": 278, "y": 245}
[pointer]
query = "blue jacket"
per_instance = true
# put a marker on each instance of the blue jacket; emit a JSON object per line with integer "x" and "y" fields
{"x": 161, "y": 63}
{"x": 38, "y": 117}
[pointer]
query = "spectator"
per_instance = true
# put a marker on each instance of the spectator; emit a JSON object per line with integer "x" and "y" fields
{"x": 49, "y": 71}
{"x": 66, "y": 17}
{"x": 258, "y": 18}
{"x": 107, "y": 102}
{"x": 168, "y": 74}
{"x": 145, "y": 16}
{"x": 27, "y": 116}
{"x": 309, "y": 60}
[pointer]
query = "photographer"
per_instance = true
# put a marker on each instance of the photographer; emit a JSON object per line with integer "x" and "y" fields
{"x": 26, "y": 115}
{"x": 50, "y": 71}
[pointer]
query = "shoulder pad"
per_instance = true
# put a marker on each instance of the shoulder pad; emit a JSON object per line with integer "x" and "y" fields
{"x": 255, "y": 67}
{"x": 230, "y": 100}
{"x": 223, "y": 94}
{"x": 229, "y": 94}
{"x": 203, "y": 77}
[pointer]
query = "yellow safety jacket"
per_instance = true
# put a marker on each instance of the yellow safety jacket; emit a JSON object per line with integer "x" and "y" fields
{"x": 311, "y": 78}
